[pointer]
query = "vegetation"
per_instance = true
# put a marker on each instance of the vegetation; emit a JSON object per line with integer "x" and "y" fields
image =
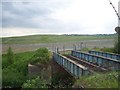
{"x": 53, "y": 38}
{"x": 18, "y": 58}
{"x": 0, "y": 77}
{"x": 117, "y": 45}
{"x": 62, "y": 80}
{"x": 41, "y": 55}
{"x": 15, "y": 74}
{"x": 10, "y": 56}
{"x": 37, "y": 82}
{"x": 12, "y": 78}
{"x": 105, "y": 49}
{"x": 108, "y": 80}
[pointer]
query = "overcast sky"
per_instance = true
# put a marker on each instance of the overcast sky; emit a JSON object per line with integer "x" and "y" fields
{"x": 27, "y": 17}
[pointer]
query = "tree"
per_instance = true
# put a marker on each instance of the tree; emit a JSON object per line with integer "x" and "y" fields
{"x": 10, "y": 55}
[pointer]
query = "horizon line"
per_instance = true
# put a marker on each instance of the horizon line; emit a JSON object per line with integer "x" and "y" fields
{"x": 52, "y": 34}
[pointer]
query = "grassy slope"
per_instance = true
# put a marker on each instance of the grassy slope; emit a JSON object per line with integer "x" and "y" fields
{"x": 51, "y": 38}
{"x": 108, "y": 80}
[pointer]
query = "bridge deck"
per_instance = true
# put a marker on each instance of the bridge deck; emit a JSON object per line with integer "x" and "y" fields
{"x": 90, "y": 66}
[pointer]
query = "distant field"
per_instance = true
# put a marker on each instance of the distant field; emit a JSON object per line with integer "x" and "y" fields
{"x": 31, "y": 43}
{"x": 33, "y": 39}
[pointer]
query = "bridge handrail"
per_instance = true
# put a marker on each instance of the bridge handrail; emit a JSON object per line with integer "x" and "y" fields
{"x": 106, "y": 52}
{"x": 81, "y": 66}
{"x": 101, "y": 53}
{"x": 98, "y": 56}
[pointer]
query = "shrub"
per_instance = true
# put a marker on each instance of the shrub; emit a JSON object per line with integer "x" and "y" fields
{"x": 35, "y": 83}
{"x": 15, "y": 74}
{"x": 41, "y": 55}
{"x": 20, "y": 66}
{"x": 10, "y": 55}
{"x": 117, "y": 44}
{"x": 12, "y": 78}
{"x": 111, "y": 50}
{"x": 5, "y": 62}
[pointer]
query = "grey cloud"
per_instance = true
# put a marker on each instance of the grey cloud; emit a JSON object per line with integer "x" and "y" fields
{"x": 22, "y": 14}
{"x": 31, "y": 14}
{"x": 24, "y": 10}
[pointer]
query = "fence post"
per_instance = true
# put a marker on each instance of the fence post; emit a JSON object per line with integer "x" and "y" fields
{"x": 81, "y": 45}
{"x": 63, "y": 49}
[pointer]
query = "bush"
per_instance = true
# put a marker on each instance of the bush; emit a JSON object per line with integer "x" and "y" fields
{"x": 5, "y": 62}
{"x": 111, "y": 50}
{"x": 10, "y": 55}
{"x": 41, "y": 55}
{"x": 12, "y": 78}
{"x": 35, "y": 83}
{"x": 20, "y": 66}
{"x": 117, "y": 46}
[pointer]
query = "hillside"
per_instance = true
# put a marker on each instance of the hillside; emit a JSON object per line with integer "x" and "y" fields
{"x": 32, "y": 39}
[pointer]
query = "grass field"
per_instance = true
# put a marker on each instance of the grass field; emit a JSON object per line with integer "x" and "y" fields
{"x": 52, "y": 38}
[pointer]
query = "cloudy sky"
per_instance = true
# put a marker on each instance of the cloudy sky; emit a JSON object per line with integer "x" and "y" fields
{"x": 27, "y": 17}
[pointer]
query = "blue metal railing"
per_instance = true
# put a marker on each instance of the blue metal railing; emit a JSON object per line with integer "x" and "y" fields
{"x": 70, "y": 66}
{"x": 106, "y": 54}
{"x": 108, "y": 63}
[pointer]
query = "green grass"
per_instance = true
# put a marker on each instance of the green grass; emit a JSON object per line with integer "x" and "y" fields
{"x": 108, "y": 80}
{"x": 52, "y": 39}
{"x": 17, "y": 57}
{"x": 105, "y": 49}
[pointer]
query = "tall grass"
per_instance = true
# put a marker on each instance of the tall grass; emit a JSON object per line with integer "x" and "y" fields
{"x": 105, "y": 49}
{"x": 108, "y": 80}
